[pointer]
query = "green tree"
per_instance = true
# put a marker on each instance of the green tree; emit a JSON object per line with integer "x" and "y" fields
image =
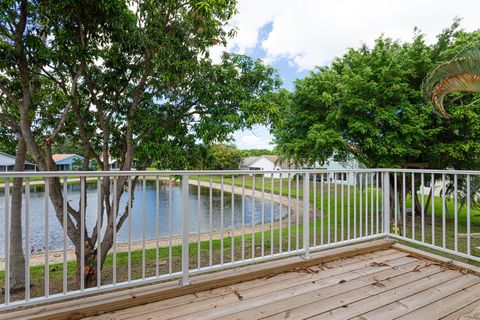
{"x": 223, "y": 157}
{"x": 369, "y": 103}
{"x": 131, "y": 81}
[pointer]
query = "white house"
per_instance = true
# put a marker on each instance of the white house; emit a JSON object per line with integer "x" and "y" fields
{"x": 340, "y": 177}
{"x": 266, "y": 163}
{"x": 7, "y": 163}
{"x": 272, "y": 163}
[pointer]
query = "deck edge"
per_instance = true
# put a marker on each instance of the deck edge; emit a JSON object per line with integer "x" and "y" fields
{"x": 107, "y": 302}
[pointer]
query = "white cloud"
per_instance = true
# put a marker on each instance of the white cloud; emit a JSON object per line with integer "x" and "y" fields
{"x": 312, "y": 32}
{"x": 258, "y": 138}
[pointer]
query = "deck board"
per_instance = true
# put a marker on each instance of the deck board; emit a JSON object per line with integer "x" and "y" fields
{"x": 381, "y": 284}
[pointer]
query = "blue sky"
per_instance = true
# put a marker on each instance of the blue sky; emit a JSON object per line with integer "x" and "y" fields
{"x": 296, "y": 36}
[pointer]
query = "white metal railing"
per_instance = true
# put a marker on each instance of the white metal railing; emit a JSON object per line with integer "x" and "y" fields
{"x": 174, "y": 224}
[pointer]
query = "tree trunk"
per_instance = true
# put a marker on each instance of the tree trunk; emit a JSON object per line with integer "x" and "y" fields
{"x": 17, "y": 258}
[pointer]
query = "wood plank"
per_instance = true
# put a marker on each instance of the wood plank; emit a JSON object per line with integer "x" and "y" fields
{"x": 447, "y": 305}
{"x": 300, "y": 295}
{"x": 414, "y": 302}
{"x": 470, "y": 312}
{"x": 261, "y": 286}
{"x": 350, "y": 310}
{"x": 465, "y": 267}
{"x": 311, "y": 306}
{"x": 93, "y": 305}
{"x": 277, "y": 291}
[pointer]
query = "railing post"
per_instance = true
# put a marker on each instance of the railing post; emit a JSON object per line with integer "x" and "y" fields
{"x": 185, "y": 233}
{"x": 306, "y": 216}
{"x": 386, "y": 203}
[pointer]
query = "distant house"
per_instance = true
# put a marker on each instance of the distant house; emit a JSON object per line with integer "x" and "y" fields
{"x": 340, "y": 177}
{"x": 266, "y": 163}
{"x": 273, "y": 163}
{"x": 67, "y": 161}
{"x": 7, "y": 163}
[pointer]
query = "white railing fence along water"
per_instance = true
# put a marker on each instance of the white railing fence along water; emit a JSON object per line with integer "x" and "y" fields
{"x": 86, "y": 232}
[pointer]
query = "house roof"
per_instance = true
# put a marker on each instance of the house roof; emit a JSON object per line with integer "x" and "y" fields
{"x": 9, "y": 160}
{"x": 61, "y": 156}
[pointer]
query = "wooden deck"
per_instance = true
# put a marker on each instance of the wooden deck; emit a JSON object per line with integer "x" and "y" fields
{"x": 386, "y": 284}
{"x": 390, "y": 283}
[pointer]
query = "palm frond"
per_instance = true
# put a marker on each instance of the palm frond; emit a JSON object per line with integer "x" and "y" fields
{"x": 461, "y": 74}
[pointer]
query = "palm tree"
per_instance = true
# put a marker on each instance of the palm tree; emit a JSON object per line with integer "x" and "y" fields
{"x": 462, "y": 74}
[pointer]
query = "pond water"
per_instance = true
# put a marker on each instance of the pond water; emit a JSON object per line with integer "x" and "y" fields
{"x": 202, "y": 220}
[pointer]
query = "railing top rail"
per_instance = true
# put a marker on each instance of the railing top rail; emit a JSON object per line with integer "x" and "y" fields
{"x": 14, "y": 174}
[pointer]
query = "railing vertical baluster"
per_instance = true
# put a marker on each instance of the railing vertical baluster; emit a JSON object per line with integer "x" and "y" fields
{"x": 395, "y": 202}
{"x": 432, "y": 191}
{"x": 422, "y": 182}
{"x": 144, "y": 224}
{"x": 99, "y": 228}
{"x": 170, "y": 218}
{"x": 322, "y": 209}
{"x": 386, "y": 202}
{"x": 444, "y": 206}
{"x": 404, "y": 204}
{"x": 366, "y": 204}
{"x": 221, "y": 218}
{"x": 280, "y": 236}
{"x": 185, "y": 232}
{"x": 354, "y": 205}
{"x": 157, "y": 227}
{"x": 342, "y": 210}
{"x": 114, "y": 218}
{"x": 468, "y": 215}
{"x": 372, "y": 185}
{"x": 360, "y": 216}
{"x": 210, "y": 221}
{"x": 328, "y": 206}
{"x": 414, "y": 196}
{"x": 232, "y": 221}
{"x": 114, "y": 221}
{"x": 199, "y": 240}
{"x": 47, "y": 262}
{"x": 348, "y": 205}
{"x": 7, "y": 241}
{"x": 263, "y": 215}
{"x": 82, "y": 233}
{"x": 27, "y": 241}
{"x": 289, "y": 212}
{"x": 314, "y": 209}
{"x": 297, "y": 207}
{"x": 335, "y": 200}
{"x": 253, "y": 216}
{"x": 306, "y": 216}
{"x": 64, "y": 216}
{"x": 272, "y": 186}
{"x": 243, "y": 217}
{"x": 280, "y": 249}
{"x": 455, "y": 212}
{"x": 129, "y": 209}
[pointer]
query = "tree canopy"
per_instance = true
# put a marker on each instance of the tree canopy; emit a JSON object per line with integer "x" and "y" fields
{"x": 129, "y": 80}
{"x": 369, "y": 103}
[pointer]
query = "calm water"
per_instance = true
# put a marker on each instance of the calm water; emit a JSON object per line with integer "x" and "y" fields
{"x": 37, "y": 215}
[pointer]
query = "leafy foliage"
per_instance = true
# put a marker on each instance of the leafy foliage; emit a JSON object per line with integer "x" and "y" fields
{"x": 369, "y": 103}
